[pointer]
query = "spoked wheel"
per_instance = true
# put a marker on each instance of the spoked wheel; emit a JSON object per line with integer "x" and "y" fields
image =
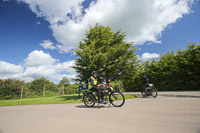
{"x": 143, "y": 93}
{"x": 117, "y": 99}
{"x": 88, "y": 100}
{"x": 154, "y": 92}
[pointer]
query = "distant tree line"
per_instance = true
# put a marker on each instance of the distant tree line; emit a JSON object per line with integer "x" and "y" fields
{"x": 178, "y": 70}
{"x": 12, "y": 88}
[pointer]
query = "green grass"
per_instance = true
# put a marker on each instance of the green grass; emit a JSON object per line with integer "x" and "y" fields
{"x": 50, "y": 100}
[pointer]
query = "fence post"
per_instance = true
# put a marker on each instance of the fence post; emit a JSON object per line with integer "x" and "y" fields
{"x": 79, "y": 91}
{"x": 63, "y": 89}
{"x": 22, "y": 89}
{"x": 44, "y": 91}
{"x": 59, "y": 92}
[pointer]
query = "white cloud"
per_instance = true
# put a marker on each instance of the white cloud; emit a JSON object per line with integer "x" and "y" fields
{"x": 148, "y": 56}
{"x": 67, "y": 66}
{"x": 54, "y": 11}
{"x": 47, "y": 44}
{"x": 8, "y": 70}
{"x": 38, "y": 64}
{"x": 141, "y": 20}
{"x": 39, "y": 58}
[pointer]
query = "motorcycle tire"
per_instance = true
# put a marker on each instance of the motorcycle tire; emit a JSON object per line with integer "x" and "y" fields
{"x": 154, "y": 92}
{"x": 88, "y": 100}
{"x": 117, "y": 99}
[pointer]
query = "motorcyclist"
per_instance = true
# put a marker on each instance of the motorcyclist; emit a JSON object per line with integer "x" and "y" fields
{"x": 146, "y": 81}
{"x": 95, "y": 87}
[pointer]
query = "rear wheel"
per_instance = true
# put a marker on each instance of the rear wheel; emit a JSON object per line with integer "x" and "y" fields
{"x": 143, "y": 93}
{"x": 88, "y": 100}
{"x": 154, "y": 92}
{"x": 117, "y": 99}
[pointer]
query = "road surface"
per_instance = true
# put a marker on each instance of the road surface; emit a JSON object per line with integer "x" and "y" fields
{"x": 170, "y": 112}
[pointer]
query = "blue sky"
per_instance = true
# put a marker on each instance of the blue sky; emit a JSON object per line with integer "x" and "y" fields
{"x": 37, "y": 37}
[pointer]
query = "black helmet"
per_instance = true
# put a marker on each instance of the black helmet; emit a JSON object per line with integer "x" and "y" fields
{"x": 94, "y": 72}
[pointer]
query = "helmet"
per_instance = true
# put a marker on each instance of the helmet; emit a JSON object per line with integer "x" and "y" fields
{"x": 94, "y": 72}
{"x": 144, "y": 75}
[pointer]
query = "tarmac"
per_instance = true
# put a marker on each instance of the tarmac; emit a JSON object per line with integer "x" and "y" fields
{"x": 170, "y": 112}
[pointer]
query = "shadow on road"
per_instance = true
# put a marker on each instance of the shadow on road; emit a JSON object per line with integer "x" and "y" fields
{"x": 70, "y": 97}
{"x": 94, "y": 107}
{"x": 182, "y": 96}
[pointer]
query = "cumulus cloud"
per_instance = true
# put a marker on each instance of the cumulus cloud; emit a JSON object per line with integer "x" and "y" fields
{"x": 8, "y": 70}
{"x": 141, "y": 20}
{"x": 38, "y": 64}
{"x": 39, "y": 58}
{"x": 67, "y": 66}
{"x": 148, "y": 56}
{"x": 47, "y": 44}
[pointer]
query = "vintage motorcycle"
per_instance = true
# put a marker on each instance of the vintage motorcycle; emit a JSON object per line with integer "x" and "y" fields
{"x": 114, "y": 97}
{"x": 149, "y": 90}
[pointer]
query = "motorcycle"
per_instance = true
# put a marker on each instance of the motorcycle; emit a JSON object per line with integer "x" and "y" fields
{"x": 149, "y": 90}
{"x": 109, "y": 95}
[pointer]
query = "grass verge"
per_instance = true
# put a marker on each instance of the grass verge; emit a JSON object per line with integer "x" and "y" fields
{"x": 50, "y": 100}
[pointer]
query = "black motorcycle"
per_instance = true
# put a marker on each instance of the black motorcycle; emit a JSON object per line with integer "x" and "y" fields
{"x": 116, "y": 98}
{"x": 149, "y": 90}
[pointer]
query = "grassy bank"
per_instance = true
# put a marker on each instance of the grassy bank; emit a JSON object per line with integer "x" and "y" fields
{"x": 49, "y": 100}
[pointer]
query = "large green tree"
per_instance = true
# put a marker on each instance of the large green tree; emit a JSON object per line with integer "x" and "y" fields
{"x": 104, "y": 50}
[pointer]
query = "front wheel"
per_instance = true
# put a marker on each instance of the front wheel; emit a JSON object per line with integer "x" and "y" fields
{"x": 88, "y": 100}
{"x": 116, "y": 98}
{"x": 154, "y": 92}
{"x": 143, "y": 93}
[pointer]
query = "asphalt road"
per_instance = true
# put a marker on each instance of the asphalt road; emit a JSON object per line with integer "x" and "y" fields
{"x": 170, "y": 112}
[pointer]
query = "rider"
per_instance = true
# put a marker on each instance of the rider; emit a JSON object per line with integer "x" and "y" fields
{"x": 95, "y": 86}
{"x": 146, "y": 81}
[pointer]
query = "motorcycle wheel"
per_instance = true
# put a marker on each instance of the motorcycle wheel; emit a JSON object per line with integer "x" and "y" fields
{"x": 88, "y": 100}
{"x": 117, "y": 99}
{"x": 143, "y": 93}
{"x": 154, "y": 92}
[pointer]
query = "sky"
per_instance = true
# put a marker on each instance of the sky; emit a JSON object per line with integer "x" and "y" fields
{"x": 37, "y": 37}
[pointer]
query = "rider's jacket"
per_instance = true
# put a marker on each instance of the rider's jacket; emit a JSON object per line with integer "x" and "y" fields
{"x": 92, "y": 82}
{"x": 146, "y": 81}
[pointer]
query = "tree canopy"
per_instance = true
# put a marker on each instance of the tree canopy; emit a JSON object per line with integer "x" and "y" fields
{"x": 105, "y": 51}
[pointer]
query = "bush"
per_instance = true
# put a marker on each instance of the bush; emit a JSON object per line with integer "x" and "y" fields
{"x": 10, "y": 88}
{"x": 36, "y": 87}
